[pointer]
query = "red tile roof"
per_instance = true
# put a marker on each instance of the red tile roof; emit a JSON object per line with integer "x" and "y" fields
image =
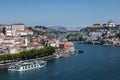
{"x": 18, "y": 24}
{"x": 20, "y": 30}
{"x": 2, "y": 37}
{"x": 69, "y": 44}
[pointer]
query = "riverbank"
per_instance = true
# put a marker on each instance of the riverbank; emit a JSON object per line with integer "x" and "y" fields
{"x": 57, "y": 54}
{"x": 46, "y": 58}
{"x": 64, "y": 53}
{"x": 97, "y": 43}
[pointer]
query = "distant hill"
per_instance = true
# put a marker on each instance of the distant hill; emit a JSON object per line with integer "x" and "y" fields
{"x": 73, "y": 28}
{"x": 41, "y": 27}
{"x": 60, "y": 28}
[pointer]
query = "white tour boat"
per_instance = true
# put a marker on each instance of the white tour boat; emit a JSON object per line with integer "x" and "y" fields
{"x": 22, "y": 66}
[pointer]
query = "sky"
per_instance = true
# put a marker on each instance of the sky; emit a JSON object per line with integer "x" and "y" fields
{"x": 69, "y": 13}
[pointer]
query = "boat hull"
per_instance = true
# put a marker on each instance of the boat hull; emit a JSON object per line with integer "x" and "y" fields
{"x": 26, "y": 66}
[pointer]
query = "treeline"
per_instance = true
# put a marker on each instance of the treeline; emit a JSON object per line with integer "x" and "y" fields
{"x": 42, "y": 27}
{"x": 31, "y": 54}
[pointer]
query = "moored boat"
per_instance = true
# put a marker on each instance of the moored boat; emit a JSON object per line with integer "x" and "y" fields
{"x": 80, "y": 51}
{"x": 22, "y": 66}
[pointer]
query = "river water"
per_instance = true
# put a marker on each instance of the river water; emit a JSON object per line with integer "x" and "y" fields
{"x": 96, "y": 63}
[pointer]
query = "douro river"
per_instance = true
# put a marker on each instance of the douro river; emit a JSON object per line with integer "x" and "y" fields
{"x": 96, "y": 63}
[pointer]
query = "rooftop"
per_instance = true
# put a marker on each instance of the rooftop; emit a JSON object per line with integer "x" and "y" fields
{"x": 18, "y": 24}
{"x": 69, "y": 44}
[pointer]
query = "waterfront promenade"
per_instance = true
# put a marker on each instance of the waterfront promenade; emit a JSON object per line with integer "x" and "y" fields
{"x": 59, "y": 53}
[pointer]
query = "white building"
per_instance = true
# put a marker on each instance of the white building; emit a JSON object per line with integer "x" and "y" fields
{"x": 9, "y": 32}
{"x": 111, "y": 24}
{"x": 54, "y": 43}
{"x": 9, "y": 40}
{"x": 2, "y": 39}
{"x": 21, "y": 32}
{"x": 18, "y": 26}
{"x": 95, "y": 35}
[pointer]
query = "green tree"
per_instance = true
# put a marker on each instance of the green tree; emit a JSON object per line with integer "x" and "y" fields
{"x": 28, "y": 54}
